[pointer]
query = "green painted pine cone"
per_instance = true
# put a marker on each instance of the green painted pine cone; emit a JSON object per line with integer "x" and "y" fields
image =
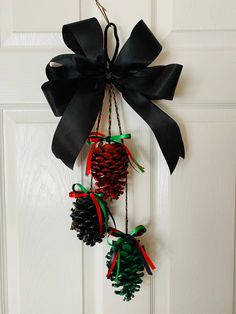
{"x": 131, "y": 271}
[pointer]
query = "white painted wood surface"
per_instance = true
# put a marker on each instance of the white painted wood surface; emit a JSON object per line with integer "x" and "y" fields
{"x": 190, "y": 215}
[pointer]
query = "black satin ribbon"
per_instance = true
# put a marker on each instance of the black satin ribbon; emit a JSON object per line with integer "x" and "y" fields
{"x": 77, "y": 82}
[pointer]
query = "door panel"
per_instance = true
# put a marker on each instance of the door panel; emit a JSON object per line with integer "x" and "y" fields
{"x": 43, "y": 260}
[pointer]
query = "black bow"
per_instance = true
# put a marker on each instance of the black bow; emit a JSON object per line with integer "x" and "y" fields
{"x": 77, "y": 83}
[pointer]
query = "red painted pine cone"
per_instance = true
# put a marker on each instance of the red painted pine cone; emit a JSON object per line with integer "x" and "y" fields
{"x": 109, "y": 166}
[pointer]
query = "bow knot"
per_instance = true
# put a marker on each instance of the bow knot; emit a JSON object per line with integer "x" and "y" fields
{"x": 109, "y": 76}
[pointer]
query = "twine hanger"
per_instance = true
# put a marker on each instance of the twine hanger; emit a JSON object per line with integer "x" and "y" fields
{"x": 112, "y": 96}
{"x": 102, "y": 10}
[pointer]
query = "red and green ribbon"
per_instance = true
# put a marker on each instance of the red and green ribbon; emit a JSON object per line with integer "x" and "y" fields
{"x": 97, "y": 200}
{"x": 96, "y": 137}
{"x": 131, "y": 238}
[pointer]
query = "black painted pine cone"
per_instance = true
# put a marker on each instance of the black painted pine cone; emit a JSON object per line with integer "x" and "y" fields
{"x": 85, "y": 221}
{"x": 109, "y": 166}
{"x": 131, "y": 271}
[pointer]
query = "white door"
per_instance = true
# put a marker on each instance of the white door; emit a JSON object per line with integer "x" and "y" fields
{"x": 190, "y": 215}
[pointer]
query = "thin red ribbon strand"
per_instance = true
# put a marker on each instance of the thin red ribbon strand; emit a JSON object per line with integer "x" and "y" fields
{"x": 99, "y": 213}
{"x": 145, "y": 255}
{"x": 94, "y": 138}
{"x": 113, "y": 264}
{"x": 77, "y": 194}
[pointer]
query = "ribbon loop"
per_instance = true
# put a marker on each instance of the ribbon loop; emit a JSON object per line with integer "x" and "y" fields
{"x": 139, "y": 51}
{"x": 111, "y": 61}
{"x": 82, "y": 188}
{"x": 75, "y": 36}
{"x": 138, "y": 231}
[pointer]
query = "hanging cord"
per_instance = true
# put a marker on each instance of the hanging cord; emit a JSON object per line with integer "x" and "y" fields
{"x": 102, "y": 10}
{"x": 126, "y": 208}
{"x": 97, "y": 130}
{"x": 126, "y": 183}
{"x": 112, "y": 94}
{"x": 116, "y": 109}
{"x": 112, "y": 97}
{"x": 99, "y": 120}
{"x": 109, "y": 110}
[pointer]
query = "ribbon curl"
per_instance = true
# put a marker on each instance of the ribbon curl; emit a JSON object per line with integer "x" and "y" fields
{"x": 77, "y": 82}
{"x": 131, "y": 238}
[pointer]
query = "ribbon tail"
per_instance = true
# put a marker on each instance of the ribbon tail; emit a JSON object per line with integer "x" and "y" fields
{"x": 146, "y": 258}
{"x": 113, "y": 264}
{"x": 98, "y": 209}
{"x": 118, "y": 266}
{"x": 145, "y": 263}
{"x": 89, "y": 160}
{"x": 101, "y": 204}
{"x": 165, "y": 129}
{"x": 76, "y": 124}
{"x": 135, "y": 55}
{"x": 132, "y": 159}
